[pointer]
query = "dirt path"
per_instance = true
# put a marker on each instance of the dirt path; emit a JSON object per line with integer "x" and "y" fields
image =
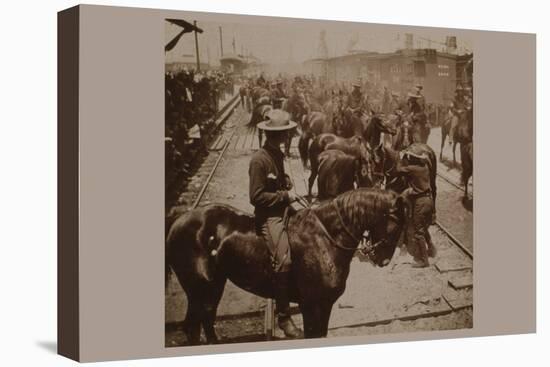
{"x": 376, "y": 300}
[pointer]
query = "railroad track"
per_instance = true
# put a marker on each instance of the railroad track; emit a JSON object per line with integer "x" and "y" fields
{"x": 451, "y": 182}
{"x": 455, "y": 241}
{"x": 295, "y": 310}
{"x": 213, "y": 170}
{"x": 445, "y": 230}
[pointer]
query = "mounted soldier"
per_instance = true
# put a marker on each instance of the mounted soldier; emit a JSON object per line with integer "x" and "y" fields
{"x": 421, "y": 100}
{"x": 261, "y": 82}
{"x": 269, "y": 194}
{"x": 396, "y": 104}
{"x": 278, "y": 94}
{"x": 354, "y": 109}
{"x": 418, "y": 119}
{"x": 356, "y": 100}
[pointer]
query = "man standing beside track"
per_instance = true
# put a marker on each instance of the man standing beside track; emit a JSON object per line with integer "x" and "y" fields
{"x": 269, "y": 194}
{"x": 417, "y": 173}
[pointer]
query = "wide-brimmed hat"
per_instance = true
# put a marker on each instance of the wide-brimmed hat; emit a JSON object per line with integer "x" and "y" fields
{"x": 278, "y": 120}
{"x": 419, "y": 86}
{"x": 419, "y": 156}
{"x": 395, "y": 94}
{"x": 278, "y": 81}
{"x": 412, "y": 95}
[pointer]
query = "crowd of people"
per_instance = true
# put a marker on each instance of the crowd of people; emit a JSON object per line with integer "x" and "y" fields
{"x": 192, "y": 100}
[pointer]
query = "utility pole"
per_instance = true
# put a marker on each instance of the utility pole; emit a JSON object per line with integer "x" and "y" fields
{"x": 197, "y": 46}
{"x": 221, "y": 41}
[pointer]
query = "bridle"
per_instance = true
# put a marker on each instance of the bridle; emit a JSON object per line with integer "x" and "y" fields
{"x": 365, "y": 244}
{"x": 385, "y": 173}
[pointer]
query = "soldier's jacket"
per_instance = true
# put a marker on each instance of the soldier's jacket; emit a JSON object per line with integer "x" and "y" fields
{"x": 268, "y": 184}
{"x": 356, "y": 101}
{"x": 277, "y": 94}
{"x": 418, "y": 177}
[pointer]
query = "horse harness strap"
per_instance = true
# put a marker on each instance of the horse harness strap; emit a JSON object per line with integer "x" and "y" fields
{"x": 335, "y": 203}
{"x": 328, "y": 235}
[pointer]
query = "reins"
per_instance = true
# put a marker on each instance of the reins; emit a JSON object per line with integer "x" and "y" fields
{"x": 335, "y": 204}
{"x": 330, "y": 238}
{"x": 385, "y": 173}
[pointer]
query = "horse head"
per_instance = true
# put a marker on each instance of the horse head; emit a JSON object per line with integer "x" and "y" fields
{"x": 378, "y": 216}
{"x": 384, "y": 160}
{"x": 382, "y": 125}
{"x": 384, "y": 236}
{"x": 363, "y": 165}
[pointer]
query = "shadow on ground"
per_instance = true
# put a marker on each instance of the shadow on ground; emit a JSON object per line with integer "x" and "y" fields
{"x": 48, "y": 345}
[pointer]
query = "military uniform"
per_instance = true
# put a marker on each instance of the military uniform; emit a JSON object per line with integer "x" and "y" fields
{"x": 277, "y": 95}
{"x": 268, "y": 192}
{"x": 269, "y": 196}
{"x": 419, "y": 240}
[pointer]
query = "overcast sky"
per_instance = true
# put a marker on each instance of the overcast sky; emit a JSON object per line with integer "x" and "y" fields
{"x": 278, "y": 42}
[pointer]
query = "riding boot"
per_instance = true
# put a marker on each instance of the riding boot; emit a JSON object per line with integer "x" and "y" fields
{"x": 283, "y": 306}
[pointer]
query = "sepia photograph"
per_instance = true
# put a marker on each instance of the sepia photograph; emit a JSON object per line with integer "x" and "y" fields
{"x": 318, "y": 180}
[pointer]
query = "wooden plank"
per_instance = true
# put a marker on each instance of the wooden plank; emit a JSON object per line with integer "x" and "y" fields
{"x": 461, "y": 282}
{"x": 458, "y": 300}
{"x": 450, "y": 265}
{"x": 233, "y": 142}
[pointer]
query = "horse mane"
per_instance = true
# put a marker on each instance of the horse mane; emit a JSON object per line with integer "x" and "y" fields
{"x": 362, "y": 207}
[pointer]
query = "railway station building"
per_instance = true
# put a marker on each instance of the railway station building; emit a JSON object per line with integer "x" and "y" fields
{"x": 399, "y": 71}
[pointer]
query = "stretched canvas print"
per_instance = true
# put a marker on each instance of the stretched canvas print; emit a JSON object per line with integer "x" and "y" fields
{"x": 267, "y": 183}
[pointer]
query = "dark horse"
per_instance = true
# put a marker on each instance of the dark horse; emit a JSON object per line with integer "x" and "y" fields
{"x": 385, "y": 167}
{"x": 313, "y": 124}
{"x": 369, "y": 126}
{"x": 445, "y": 132}
{"x": 208, "y": 245}
{"x": 354, "y": 146}
{"x": 464, "y": 135}
{"x": 374, "y": 128}
{"x": 340, "y": 172}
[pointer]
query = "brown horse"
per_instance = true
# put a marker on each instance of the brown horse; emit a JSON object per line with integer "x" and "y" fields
{"x": 208, "y": 245}
{"x": 313, "y": 124}
{"x": 467, "y": 161}
{"x": 339, "y": 172}
{"x": 464, "y": 135}
{"x": 354, "y": 146}
{"x": 385, "y": 163}
{"x": 375, "y": 126}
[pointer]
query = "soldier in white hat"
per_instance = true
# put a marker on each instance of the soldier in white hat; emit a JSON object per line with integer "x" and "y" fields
{"x": 271, "y": 197}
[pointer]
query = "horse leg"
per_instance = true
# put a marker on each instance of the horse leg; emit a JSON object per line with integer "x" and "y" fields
{"x": 326, "y": 309}
{"x": 303, "y": 149}
{"x": 312, "y": 321}
{"x": 259, "y": 137}
{"x": 192, "y": 324}
{"x": 210, "y": 309}
{"x": 443, "y": 138}
{"x": 313, "y": 174}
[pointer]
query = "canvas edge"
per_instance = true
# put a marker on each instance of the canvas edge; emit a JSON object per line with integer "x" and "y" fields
{"x": 68, "y": 328}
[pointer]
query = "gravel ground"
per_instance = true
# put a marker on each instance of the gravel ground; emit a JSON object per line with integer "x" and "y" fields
{"x": 373, "y": 295}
